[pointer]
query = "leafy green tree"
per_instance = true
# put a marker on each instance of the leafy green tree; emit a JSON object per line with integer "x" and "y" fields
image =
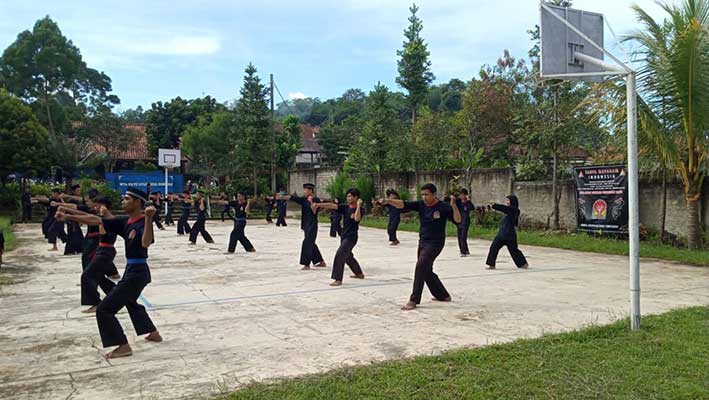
{"x": 22, "y": 139}
{"x": 414, "y": 64}
{"x": 210, "y": 144}
{"x": 336, "y": 140}
{"x": 254, "y": 137}
{"x": 288, "y": 142}
{"x": 107, "y": 131}
{"x": 134, "y": 115}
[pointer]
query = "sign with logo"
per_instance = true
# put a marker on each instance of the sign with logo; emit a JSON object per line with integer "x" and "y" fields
{"x": 168, "y": 158}
{"x": 601, "y": 198}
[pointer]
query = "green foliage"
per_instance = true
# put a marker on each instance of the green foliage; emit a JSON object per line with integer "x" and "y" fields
{"x": 10, "y": 239}
{"x": 446, "y": 97}
{"x": 107, "y": 130}
{"x": 338, "y": 186}
{"x": 404, "y": 194}
{"x": 288, "y": 142}
{"x": 103, "y": 190}
{"x": 210, "y": 142}
{"x": 22, "y": 139}
{"x": 365, "y": 185}
{"x": 336, "y": 140}
{"x": 10, "y": 197}
{"x": 414, "y": 65}
{"x": 530, "y": 169}
{"x": 144, "y": 166}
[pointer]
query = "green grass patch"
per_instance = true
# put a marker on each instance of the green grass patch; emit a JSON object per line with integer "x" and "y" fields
{"x": 578, "y": 242}
{"x": 667, "y": 359}
{"x": 6, "y": 226}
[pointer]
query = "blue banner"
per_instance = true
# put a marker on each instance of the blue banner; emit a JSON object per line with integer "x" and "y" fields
{"x": 122, "y": 180}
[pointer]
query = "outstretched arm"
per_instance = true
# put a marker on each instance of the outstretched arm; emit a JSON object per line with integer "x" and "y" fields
{"x": 393, "y": 202}
{"x": 502, "y": 208}
{"x": 456, "y": 212}
{"x": 86, "y": 219}
{"x": 326, "y": 206}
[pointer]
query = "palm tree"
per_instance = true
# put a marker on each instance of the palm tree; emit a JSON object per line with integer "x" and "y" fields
{"x": 673, "y": 108}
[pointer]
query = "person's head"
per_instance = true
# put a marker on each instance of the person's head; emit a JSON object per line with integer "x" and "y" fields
{"x": 308, "y": 189}
{"x": 463, "y": 192}
{"x": 240, "y": 197}
{"x": 186, "y": 194}
{"x": 392, "y": 194}
{"x": 102, "y": 201}
{"x": 56, "y": 193}
{"x": 75, "y": 190}
{"x": 352, "y": 196}
{"x": 134, "y": 200}
{"x": 428, "y": 193}
{"x": 512, "y": 201}
{"x": 91, "y": 198}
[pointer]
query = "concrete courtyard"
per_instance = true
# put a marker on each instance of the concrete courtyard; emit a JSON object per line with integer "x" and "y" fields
{"x": 229, "y": 320}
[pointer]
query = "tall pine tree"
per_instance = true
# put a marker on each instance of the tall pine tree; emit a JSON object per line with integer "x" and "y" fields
{"x": 414, "y": 65}
{"x": 253, "y": 144}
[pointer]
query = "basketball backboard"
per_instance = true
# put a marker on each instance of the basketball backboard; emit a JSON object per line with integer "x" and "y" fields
{"x": 168, "y": 158}
{"x": 559, "y": 43}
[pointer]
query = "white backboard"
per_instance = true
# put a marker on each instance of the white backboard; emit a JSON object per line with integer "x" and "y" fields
{"x": 168, "y": 158}
{"x": 559, "y": 43}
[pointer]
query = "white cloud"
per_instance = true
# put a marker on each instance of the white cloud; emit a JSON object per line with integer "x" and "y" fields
{"x": 296, "y": 95}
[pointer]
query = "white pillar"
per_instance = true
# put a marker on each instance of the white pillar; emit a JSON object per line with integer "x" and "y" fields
{"x": 633, "y": 206}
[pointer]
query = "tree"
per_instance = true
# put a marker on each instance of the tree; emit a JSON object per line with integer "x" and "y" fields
{"x": 166, "y": 122}
{"x": 134, "y": 115}
{"x": 107, "y": 132}
{"x": 254, "y": 138}
{"x": 46, "y": 67}
{"x": 414, "y": 65}
{"x": 288, "y": 142}
{"x": 673, "y": 83}
{"x": 336, "y": 140}
{"x": 22, "y": 138}
{"x": 210, "y": 143}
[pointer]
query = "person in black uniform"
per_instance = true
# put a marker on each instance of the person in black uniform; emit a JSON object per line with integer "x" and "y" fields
{"x": 2, "y": 244}
{"x": 199, "y": 225}
{"x": 157, "y": 203}
{"x": 352, "y": 214}
{"x": 335, "y": 219}
{"x": 26, "y": 206}
{"x": 394, "y": 217}
{"x": 75, "y": 236}
{"x": 281, "y": 207}
{"x": 136, "y": 230}
{"x": 224, "y": 199}
{"x": 170, "y": 204}
{"x": 465, "y": 206}
{"x": 90, "y": 242}
{"x": 507, "y": 235}
{"x": 270, "y": 201}
{"x": 309, "y": 252}
{"x": 433, "y": 215}
{"x": 241, "y": 211}
{"x": 51, "y": 228}
{"x": 182, "y": 225}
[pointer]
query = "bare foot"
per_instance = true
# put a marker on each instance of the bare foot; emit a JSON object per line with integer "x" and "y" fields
{"x": 357, "y": 276}
{"x": 409, "y": 306}
{"x": 490, "y": 267}
{"x": 336, "y": 283}
{"x": 192, "y": 243}
{"x": 443, "y": 300}
{"x": 305, "y": 268}
{"x": 525, "y": 266}
{"x": 321, "y": 264}
{"x": 251, "y": 251}
{"x": 123, "y": 350}
{"x": 54, "y": 249}
{"x": 90, "y": 310}
{"x": 115, "y": 277}
{"x": 154, "y": 336}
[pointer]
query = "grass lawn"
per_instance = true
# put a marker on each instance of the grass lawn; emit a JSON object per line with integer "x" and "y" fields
{"x": 579, "y": 242}
{"x": 10, "y": 240}
{"x": 667, "y": 359}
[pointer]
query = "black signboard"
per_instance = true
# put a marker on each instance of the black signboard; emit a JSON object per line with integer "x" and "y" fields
{"x": 601, "y": 198}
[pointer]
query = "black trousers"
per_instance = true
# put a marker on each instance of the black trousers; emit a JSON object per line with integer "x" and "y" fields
{"x": 269, "y": 210}
{"x": 309, "y": 251}
{"x": 199, "y": 228}
{"x": 182, "y": 225}
{"x": 281, "y": 218}
{"x": 88, "y": 251}
{"x": 94, "y": 276}
{"x": 344, "y": 256}
{"x": 55, "y": 229}
{"x": 463, "y": 238}
{"x": 75, "y": 238}
{"x": 125, "y": 294}
{"x": 511, "y": 244}
{"x": 168, "y": 217}
{"x": 225, "y": 211}
{"x": 392, "y": 227}
{"x": 335, "y": 226}
{"x": 156, "y": 220}
{"x": 26, "y": 212}
{"x": 238, "y": 234}
{"x": 424, "y": 274}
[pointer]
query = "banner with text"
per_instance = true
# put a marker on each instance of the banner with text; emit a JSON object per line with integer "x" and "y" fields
{"x": 601, "y": 198}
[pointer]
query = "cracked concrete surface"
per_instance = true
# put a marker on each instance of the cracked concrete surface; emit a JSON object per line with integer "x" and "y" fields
{"x": 232, "y": 319}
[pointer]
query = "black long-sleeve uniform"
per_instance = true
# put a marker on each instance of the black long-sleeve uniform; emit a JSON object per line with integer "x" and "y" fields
{"x": 281, "y": 207}
{"x": 348, "y": 240}
{"x": 309, "y": 252}
{"x": 465, "y": 207}
{"x": 507, "y": 235}
{"x": 238, "y": 233}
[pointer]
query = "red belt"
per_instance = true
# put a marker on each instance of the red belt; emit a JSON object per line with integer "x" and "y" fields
{"x": 102, "y": 244}
{"x": 93, "y": 234}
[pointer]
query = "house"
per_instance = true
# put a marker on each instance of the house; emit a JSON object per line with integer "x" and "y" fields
{"x": 309, "y": 155}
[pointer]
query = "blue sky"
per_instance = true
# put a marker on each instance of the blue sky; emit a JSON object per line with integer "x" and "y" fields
{"x": 156, "y": 50}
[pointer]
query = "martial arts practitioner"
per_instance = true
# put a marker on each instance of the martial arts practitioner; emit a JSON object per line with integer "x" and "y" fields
{"x": 199, "y": 225}
{"x": 170, "y": 204}
{"x": 241, "y": 211}
{"x": 465, "y": 206}
{"x": 270, "y": 201}
{"x": 157, "y": 202}
{"x": 394, "y": 217}
{"x": 136, "y": 230}
{"x": 90, "y": 242}
{"x": 182, "y": 225}
{"x": 351, "y": 215}
{"x": 309, "y": 251}
{"x": 335, "y": 219}
{"x": 433, "y": 215}
{"x": 507, "y": 235}
{"x": 2, "y": 244}
{"x": 26, "y": 206}
{"x": 51, "y": 228}
{"x": 281, "y": 207}
{"x": 75, "y": 237}
{"x": 224, "y": 199}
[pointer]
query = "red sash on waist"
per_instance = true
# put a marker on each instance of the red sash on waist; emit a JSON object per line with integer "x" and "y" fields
{"x": 102, "y": 244}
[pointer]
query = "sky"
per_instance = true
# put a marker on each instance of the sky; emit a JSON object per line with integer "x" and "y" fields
{"x": 156, "y": 50}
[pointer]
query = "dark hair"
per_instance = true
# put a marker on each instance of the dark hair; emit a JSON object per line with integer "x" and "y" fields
{"x": 463, "y": 191}
{"x": 93, "y": 193}
{"x": 103, "y": 200}
{"x": 514, "y": 201}
{"x": 240, "y": 193}
{"x": 389, "y": 192}
{"x": 354, "y": 192}
{"x": 75, "y": 186}
{"x": 430, "y": 187}
{"x": 185, "y": 192}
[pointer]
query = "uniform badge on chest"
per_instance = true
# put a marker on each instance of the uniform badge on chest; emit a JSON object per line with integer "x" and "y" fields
{"x": 132, "y": 234}
{"x": 436, "y": 215}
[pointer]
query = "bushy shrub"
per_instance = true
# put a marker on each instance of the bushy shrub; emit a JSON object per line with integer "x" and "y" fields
{"x": 338, "y": 186}
{"x": 365, "y": 184}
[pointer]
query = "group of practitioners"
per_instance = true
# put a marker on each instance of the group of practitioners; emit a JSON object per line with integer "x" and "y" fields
{"x": 142, "y": 210}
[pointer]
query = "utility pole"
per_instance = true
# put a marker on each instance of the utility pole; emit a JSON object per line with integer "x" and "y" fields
{"x": 273, "y": 143}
